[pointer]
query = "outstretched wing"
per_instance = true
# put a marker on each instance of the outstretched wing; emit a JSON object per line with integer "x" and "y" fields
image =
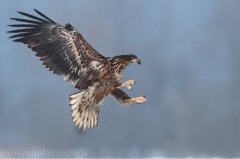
{"x": 62, "y": 49}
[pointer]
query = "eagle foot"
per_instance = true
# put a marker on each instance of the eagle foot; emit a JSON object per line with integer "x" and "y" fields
{"x": 139, "y": 100}
{"x": 128, "y": 84}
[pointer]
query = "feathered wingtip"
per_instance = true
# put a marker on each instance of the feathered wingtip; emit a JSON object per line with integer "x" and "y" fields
{"x": 30, "y": 26}
{"x": 36, "y": 20}
{"x": 44, "y": 16}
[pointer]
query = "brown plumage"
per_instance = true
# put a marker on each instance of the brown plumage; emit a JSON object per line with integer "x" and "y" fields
{"x": 65, "y": 52}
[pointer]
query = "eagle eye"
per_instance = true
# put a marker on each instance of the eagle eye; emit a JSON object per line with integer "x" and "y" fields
{"x": 132, "y": 57}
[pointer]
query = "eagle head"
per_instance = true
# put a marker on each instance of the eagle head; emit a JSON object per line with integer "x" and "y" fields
{"x": 127, "y": 59}
{"x": 132, "y": 59}
{"x": 118, "y": 63}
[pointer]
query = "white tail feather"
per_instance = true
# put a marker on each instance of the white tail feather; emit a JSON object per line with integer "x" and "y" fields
{"x": 84, "y": 110}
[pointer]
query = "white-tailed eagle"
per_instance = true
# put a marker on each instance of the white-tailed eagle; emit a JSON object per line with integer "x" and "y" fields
{"x": 65, "y": 52}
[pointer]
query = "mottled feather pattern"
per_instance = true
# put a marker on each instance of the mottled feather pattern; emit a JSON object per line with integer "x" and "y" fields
{"x": 64, "y": 51}
{"x": 85, "y": 104}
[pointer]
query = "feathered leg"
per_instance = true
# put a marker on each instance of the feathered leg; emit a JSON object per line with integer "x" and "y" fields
{"x": 127, "y": 84}
{"x": 124, "y": 99}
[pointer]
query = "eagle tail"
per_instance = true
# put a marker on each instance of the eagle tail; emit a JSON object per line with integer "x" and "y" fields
{"x": 84, "y": 112}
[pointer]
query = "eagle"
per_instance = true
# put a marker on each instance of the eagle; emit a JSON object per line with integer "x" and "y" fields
{"x": 64, "y": 51}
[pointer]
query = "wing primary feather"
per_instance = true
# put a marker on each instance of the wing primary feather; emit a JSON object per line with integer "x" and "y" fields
{"x": 31, "y": 16}
{"x": 28, "y": 39}
{"x": 44, "y": 16}
{"x": 22, "y": 25}
{"x": 21, "y": 35}
{"x": 25, "y": 20}
{"x": 21, "y": 30}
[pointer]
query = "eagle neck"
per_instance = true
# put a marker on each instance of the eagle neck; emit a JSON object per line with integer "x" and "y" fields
{"x": 117, "y": 67}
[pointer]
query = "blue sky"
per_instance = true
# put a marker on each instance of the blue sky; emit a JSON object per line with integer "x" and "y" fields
{"x": 190, "y": 74}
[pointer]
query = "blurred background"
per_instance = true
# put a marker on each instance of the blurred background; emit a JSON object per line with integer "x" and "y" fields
{"x": 190, "y": 74}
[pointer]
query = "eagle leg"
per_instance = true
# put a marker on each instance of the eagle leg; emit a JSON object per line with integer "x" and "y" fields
{"x": 139, "y": 100}
{"x": 124, "y": 99}
{"x": 127, "y": 84}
